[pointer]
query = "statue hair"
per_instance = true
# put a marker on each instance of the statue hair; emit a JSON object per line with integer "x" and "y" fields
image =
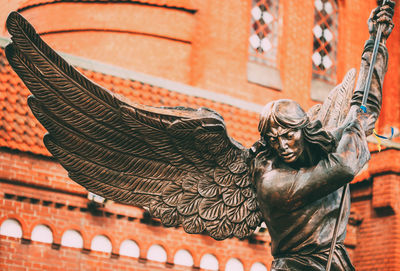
{"x": 288, "y": 114}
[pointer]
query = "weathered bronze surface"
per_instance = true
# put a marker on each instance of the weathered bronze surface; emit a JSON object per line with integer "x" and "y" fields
{"x": 181, "y": 165}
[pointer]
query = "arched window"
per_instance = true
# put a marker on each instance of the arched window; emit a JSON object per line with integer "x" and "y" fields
{"x": 209, "y": 262}
{"x": 129, "y": 248}
{"x": 263, "y": 48}
{"x": 157, "y": 253}
{"x": 72, "y": 238}
{"x": 258, "y": 267}
{"x": 234, "y": 265}
{"x": 183, "y": 257}
{"x": 101, "y": 243}
{"x": 325, "y": 32}
{"x": 42, "y": 233}
{"x": 12, "y": 228}
{"x": 264, "y": 32}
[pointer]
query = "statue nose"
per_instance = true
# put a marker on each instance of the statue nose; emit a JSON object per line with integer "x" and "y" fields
{"x": 282, "y": 143}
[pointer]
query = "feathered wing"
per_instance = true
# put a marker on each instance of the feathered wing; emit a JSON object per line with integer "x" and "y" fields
{"x": 178, "y": 163}
{"x": 337, "y": 105}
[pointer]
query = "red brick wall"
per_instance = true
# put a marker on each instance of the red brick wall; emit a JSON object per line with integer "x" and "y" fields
{"x": 37, "y": 191}
{"x": 30, "y": 256}
{"x": 204, "y": 44}
{"x": 378, "y": 234}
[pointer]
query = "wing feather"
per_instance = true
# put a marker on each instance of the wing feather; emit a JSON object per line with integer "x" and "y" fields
{"x": 335, "y": 108}
{"x": 24, "y": 35}
{"x": 179, "y": 163}
{"x": 74, "y": 163}
{"x": 193, "y": 224}
{"x": 91, "y": 149}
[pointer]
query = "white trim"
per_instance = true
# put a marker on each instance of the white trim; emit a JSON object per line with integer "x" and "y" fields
{"x": 4, "y": 41}
{"x": 263, "y": 75}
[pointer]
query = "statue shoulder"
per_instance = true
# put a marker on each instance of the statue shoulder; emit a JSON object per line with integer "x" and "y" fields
{"x": 262, "y": 162}
{"x": 261, "y": 166}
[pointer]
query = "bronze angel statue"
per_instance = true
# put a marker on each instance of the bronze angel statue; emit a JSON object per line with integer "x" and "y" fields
{"x": 181, "y": 165}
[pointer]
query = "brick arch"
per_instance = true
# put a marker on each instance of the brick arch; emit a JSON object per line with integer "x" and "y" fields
{"x": 212, "y": 251}
{"x": 106, "y": 234}
{"x": 247, "y": 264}
{"x": 199, "y": 253}
{"x": 174, "y": 250}
{"x": 204, "y": 252}
{"x": 76, "y": 228}
{"x": 45, "y": 222}
{"x": 119, "y": 241}
{"x": 138, "y": 243}
{"x": 143, "y": 253}
{"x": 21, "y": 221}
{"x": 222, "y": 264}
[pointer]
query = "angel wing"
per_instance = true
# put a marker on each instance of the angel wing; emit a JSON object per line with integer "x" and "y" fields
{"x": 337, "y": 105}
{"x": 179, "y": 163}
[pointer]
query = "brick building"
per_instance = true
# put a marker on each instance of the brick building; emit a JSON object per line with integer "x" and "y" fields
{"x": 231, "y": 56}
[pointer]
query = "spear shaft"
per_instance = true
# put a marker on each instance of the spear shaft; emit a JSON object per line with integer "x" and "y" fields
{"x": 335, "y": 231}
{"x": 363, "y": 107}
{"x": 371, "y": 66}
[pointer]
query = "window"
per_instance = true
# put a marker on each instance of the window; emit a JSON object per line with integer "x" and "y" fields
{"x": 157, "y": 253}
{"x": 42, "y": 233}
{"x": 183, "y": 257}
{"x": 72, "y": 238}
{"x": 258, "y": 267}
{"x": 12, "y": 228}
{"x": 234, "y": 265}
{"x": 325, "y": 32}
{"x": 263, "y": 48}
{"x": 209, "y": 262}
{"x": 101, "y": 243}
{"x": 129, "y": 248}
{"x": 264, "y": 29}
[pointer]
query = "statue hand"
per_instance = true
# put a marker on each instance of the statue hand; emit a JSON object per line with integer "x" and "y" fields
{"x": 366, "y": 121}
{"x": 382, "y": 15}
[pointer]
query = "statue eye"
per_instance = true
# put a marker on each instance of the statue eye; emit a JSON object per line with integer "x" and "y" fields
{"x": 290, "y": 135}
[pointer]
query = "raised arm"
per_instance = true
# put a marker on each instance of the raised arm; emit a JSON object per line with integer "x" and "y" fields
{"x": 381, "y": 15}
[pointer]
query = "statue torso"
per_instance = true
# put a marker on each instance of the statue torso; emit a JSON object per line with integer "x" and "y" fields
{"x": 301, "y": 228}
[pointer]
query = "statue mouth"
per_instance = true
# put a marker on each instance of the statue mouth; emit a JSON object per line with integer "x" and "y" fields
{"x": 287, "y": 155}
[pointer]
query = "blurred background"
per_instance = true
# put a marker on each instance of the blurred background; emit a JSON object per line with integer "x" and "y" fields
{"x": 231, "y": 56}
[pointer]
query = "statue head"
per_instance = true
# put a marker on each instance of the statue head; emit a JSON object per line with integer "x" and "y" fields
{"x": 288, "y": 132}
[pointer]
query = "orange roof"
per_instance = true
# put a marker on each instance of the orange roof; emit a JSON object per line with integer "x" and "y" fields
{"x": 21, "y": 131}
{"x": 184, "y": 4}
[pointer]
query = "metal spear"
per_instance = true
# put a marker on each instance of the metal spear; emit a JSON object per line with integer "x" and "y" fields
{"x": 363, "y": 107}
{"x": 371, "y": 66}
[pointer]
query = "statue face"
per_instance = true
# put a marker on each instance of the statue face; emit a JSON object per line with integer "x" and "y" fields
{"x": 288, "y": 143}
